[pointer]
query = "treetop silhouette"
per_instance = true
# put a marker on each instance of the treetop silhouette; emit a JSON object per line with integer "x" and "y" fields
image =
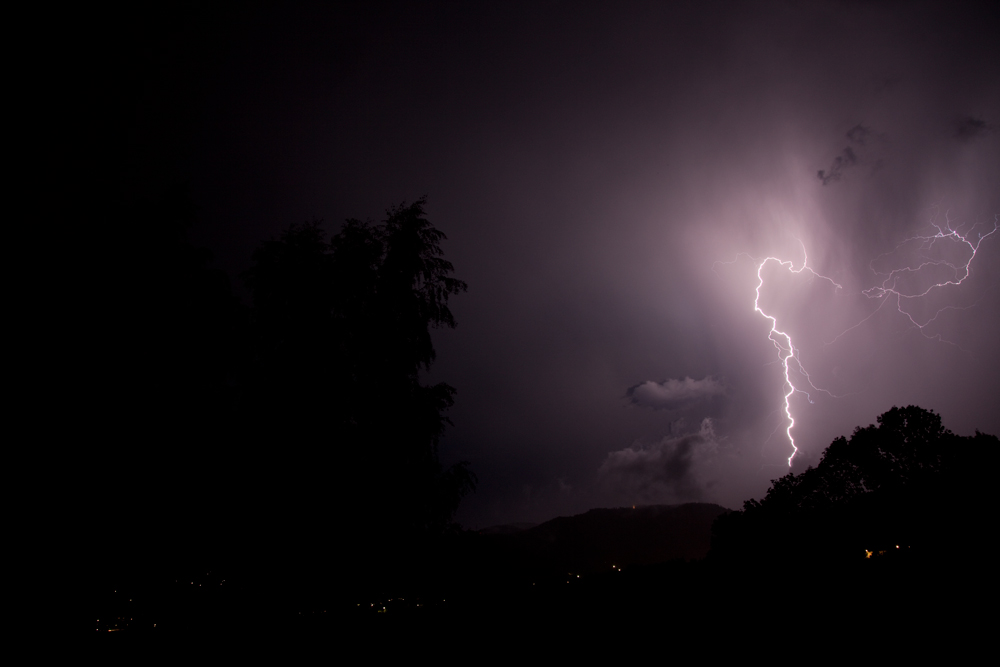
{"x": 908, "y": 480}
{"x": 342, "y": 330}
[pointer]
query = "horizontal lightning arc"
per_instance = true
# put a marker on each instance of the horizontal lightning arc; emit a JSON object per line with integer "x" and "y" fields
{"x": 890, "y": 281}
{"x": 887, "y": 289}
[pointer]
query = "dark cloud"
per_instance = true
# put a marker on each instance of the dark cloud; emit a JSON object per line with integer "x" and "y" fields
{"x": 970, "y": 127}
{"x": 859, "y": 134}
{"x": 862, "y": 137}
{"x": 673, "y": 393}
{"x": 847, "y": 159}
{"x": 664, "y": 471}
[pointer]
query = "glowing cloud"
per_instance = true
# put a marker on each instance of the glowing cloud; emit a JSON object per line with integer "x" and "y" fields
{"x": 663, "y": 470}
{"x": 673, "y": 393}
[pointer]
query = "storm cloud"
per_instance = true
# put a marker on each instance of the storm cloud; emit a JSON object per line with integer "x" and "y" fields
{"x": 970, "y": 127}
{"x": 847, "y": 159}
{"x": 665, "y": 471}
{"x": 673, "y": 393}
{"x": 853, "y": 156}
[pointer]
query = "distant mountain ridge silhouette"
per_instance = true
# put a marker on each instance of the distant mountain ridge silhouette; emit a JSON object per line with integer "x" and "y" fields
{"x": 600, "y": 539}
{"x": 507, "y": 528}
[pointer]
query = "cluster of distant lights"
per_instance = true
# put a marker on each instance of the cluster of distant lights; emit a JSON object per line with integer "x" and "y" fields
{"x": 383, "y": 607}
{"x": 121, "y": 623}
{"x": 880, "y": 552}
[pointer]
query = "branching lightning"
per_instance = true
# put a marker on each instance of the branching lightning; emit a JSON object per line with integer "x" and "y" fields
{"x": 960, "y": 271}
{"x": 893, "y": 284}
{"x": 788, "y": 354}
{"x": 787, "y": 351}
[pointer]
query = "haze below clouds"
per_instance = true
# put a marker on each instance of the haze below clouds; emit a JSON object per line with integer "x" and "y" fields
{"x": 609, "y": 177}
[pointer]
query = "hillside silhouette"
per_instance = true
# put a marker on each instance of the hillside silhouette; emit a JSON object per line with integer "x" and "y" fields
{"x": 600, "y": 539}
{"x": 884, "y": 535}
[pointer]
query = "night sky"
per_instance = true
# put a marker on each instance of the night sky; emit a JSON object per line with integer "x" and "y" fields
{"x": 609, "y": 177}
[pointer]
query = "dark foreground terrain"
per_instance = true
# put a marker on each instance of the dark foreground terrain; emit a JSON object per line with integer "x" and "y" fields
{"x": 552, "y": 585}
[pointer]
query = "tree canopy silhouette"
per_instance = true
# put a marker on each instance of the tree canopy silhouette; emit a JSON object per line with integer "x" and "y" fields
{"x": 342, "y": 332}
{"x": 908, "y": 481}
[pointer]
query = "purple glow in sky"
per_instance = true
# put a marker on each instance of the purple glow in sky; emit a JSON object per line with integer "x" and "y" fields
{"x": 596, "y": 168}
{"x": 912, "y": 284}
{"x": 790, "y": 361}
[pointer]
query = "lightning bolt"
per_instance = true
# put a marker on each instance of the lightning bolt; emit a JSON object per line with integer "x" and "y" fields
{"x": 788, "y": 355}
{"x": 960, "y": 272}
{"x": 890, "y": 285}
{"x": 787, "y": 352}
